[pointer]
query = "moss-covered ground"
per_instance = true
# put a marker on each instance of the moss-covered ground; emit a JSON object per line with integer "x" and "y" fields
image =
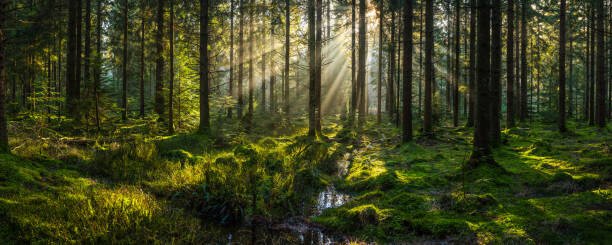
{"x": 551, "y": 188}
{"x": 133, "y": 188}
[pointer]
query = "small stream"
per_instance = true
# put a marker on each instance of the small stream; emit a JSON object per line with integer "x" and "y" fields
{"x": 298, "y": 230}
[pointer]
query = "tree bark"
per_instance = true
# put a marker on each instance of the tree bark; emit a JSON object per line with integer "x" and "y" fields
{"x": 496, "y": 63}
{"x": 429, "y": 69}
{"x": 482, "y": 151}
{"x": 380, "y": 63}
{"x": 124, "y": 106}
{"x": 241, "y": 59}
{"x": 287, "y": 55}
{"x": 312, "y": 131}
{"x": 457, "y": 77}
{"x": 142, "y": 60}
{"x": 353, "y": 105}
{"x": 4, "y": 145}
{"x": 159, "y": 70}
{"x": 319, "y": 64}
{"x": 204, "y": 83}
{"x": 231, "y": 55}
{"x": 407, "y": 73}
{"x": 524, "y": 106}
{"x": 562, "y": 36}
{"x": 361, "y": 73}
{"x": 600, "y": 115}
{"x": 472, "y": 66}
{"x": 171, "y": 68}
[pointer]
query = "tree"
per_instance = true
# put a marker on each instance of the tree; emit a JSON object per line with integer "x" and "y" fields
{"x": 4, "y": 145}
{"x": 73, "y": 82}
{"x": 600, "y": 115}
{"x": 287, "y": 54}
{"x": 241, "y": 59}
{"x": 407, "y": 73}
{"x": 457, "y": 76}
{"x": 204, "y": 84}
{"x": 159, "y": 55}
{"x": 380, "y": 63}
{"x": 496, "y": 63}
{"x": 361, "y": 72}
{"x": 249, "y": 118}
{"x": 482, "y": 151}
{"x": 98, "y": 65}
{"x": 171, "y": 83}
{"x": 562, "y": 36}
{"x": 524, "y": 113}
{"x": 231, "y": 58}
{"x": 472, "y": 65}
{"x": 510, "y": 66}
{"x": 142, "y": 59}
{"x": 429, "y": 68}
{"x": 312, "y": 125}
{"x": 319, "y": 64}
{"x": 353, "y": 105}
{"x": 125, "y": 61}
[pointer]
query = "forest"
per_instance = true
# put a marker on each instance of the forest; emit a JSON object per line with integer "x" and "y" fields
{"x": 305, "y": 122}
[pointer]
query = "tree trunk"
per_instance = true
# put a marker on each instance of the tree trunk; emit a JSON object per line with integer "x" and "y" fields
{"x": 287, "y": 55}
{"x": 353, "y": 105}
{"x": 472, "y": 71}
{"x": 496, "y": 63}
{"x": 4, "y": 145}
{"x": 249, "y": 118}
{"x": 457, "y": 77}
{"x": 312, "y": 125}
{"x": 98, "y": 65}
{"x": 272, "y": 70}
{"x": 429, "y": 69}
{"x": 600, "y": 115}
{"x": 562, "y": 36}
{"x": 361, "y": 73}
{"x": 87, "y": 58}
{"x": 407, "y": 73}
{"x": 142, "y": 61}
{"x": 524, "y": 107}
{"x": 124, "y": 106}
{"x": 391, "y": 76}
{"x": 482, "y": 150}
{"x": 592, "y": 55}
{"x": 380, "y": 63}
{"x": 171, "y": 67}
{"x": 262, "y": 42}
{"x": 204, "y": 83}
{"x": 231, "y": 55}
{"x": 571, "y": 107}
{"x": 319, "y": 64}
{"x": 241, "y": 59}
{"x": 159, "y": 70}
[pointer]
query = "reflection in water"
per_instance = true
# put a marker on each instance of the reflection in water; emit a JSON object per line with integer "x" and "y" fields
{"x": 298, "y": 230}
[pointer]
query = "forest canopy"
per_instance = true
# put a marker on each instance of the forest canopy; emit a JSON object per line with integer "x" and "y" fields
{"x": 305, "y": 121}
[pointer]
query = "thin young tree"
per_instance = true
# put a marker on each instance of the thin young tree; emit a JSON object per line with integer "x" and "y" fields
{"x": 231, "y": 59}
{"x": 240, "y": 59}
{"x": 159, "y": 69}
{"x": 4, "y": 145}
{"x": 319, "y": 63}
{"x": 171, "y": 68}
{"x": 429, "y": 68}
{"x": 510, "y": 66}
{"x": 524, "y": 112}
{"x": 407, "y": 72}
{"x": 98, "y": 65}
{"x": 562, "y": 41}
{"x": 361, "y": 73}
{"x": 124, "y": 103}
{"x": 380, "y": 63}
{"x": 142, "y": 59}
{"x": 457, "y": 76}
{"x": 204, "y": 83}
{"x": 312, "y": 132}
{"x": 287, "y": 55}
{"x": 472, "y": 65}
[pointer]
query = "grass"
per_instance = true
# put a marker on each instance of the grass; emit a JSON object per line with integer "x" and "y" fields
{"x": 140, "y": 188}
{"x": 552, "y": 188}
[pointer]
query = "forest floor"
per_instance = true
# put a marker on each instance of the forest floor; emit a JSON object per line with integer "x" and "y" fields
{"x": 135, "y": 187}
